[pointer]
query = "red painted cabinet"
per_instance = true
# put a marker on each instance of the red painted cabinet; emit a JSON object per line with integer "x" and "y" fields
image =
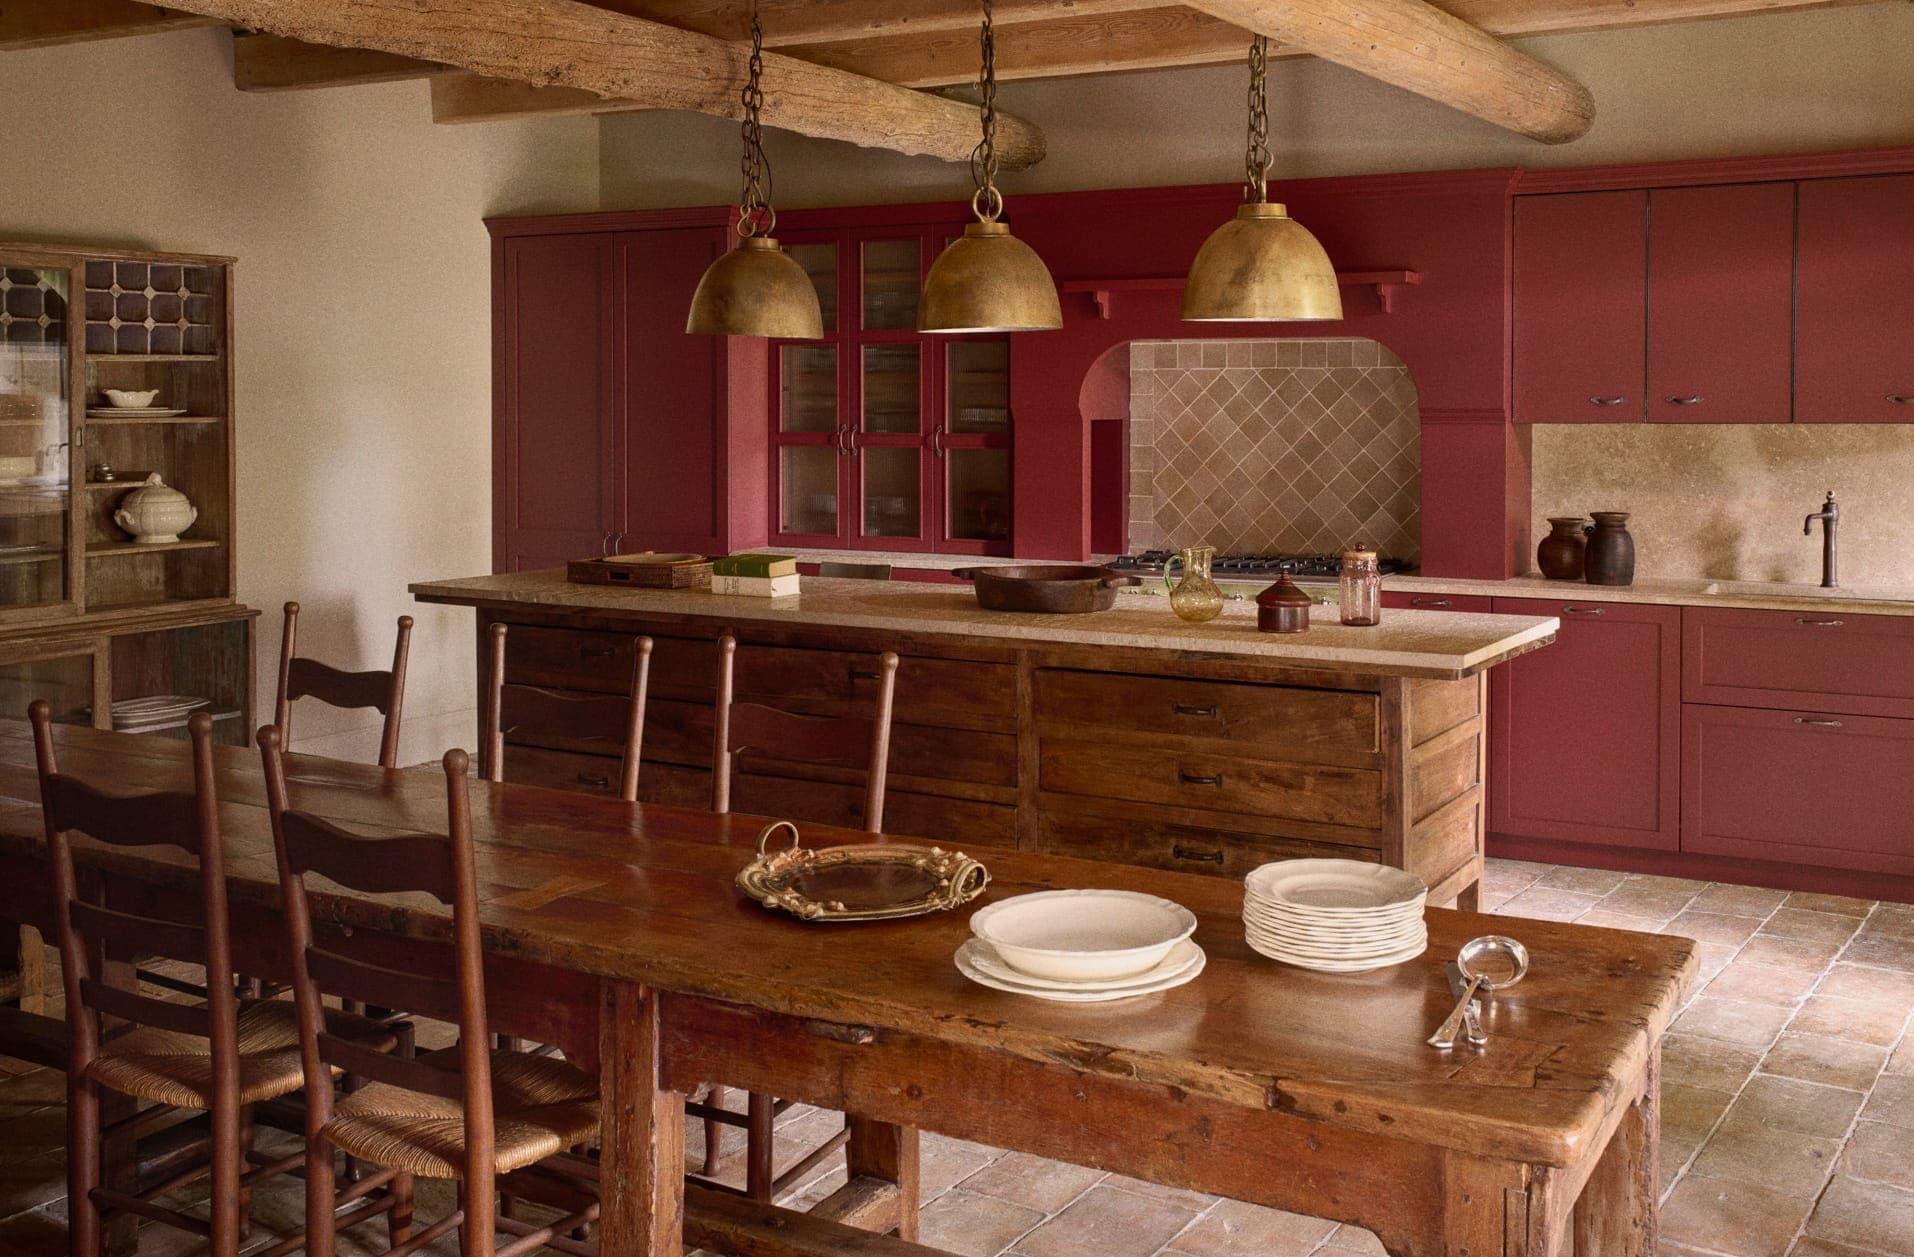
{"x": 1436, "y": 602}
{"x": 1855, "y": 302}
{"x": 1584, "y": 735}
{"x": 1581, "y": 285}
{"x": 1861, "y": 665}
{"x": 1721, "y": 304}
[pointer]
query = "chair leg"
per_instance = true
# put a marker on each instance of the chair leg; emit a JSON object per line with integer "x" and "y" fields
{"x": 713, "y": 1133}
{"x": 760, "y": 1178}
{"x": 398, "y": 1220}
{"x": 478, "y": 1237}
{"x": 82, "y": 1166}
{"x": 224, "y": 1209}
{"x": 248, "y": 1133}
{"x": 321, "y": 1200}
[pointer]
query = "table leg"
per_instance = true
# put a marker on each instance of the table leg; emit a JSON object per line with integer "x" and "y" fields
{"x": 1485, "y": 1210}
{"x": 1619, "y": 1209}
{"x": 880, "y": 1150}
{"x": 642, "y": 1131}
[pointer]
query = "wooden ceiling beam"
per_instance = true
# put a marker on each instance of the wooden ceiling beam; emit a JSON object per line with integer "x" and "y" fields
{"x": 272, "y": 63}
{"x": 475, "y": 98}
{"x": 564, "y": 43}
{"x": 794, "y": 22}
{"x": 1419, "y": 48}
{"x": 39, "y": 23}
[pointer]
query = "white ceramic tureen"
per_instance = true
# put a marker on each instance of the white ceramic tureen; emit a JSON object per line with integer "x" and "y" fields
{"x": 155, "y": 513}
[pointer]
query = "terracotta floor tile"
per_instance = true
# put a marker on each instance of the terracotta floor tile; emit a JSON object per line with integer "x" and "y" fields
{"x": 1196, "y": 1202}
{"x": 1581, "y": 881}
{"x": 1108, "y": 1222}
{"x": 1234, "y": 1229}
{"x": 1870, "y": 1215}
{"x": 1775, "y": 949}
{"x": 1892, "y": 1103}
{"x": 1688, "y": 1113}
{"x": 1725, "y": 1216}
{"x": 1733, "y": 1021}
{"x": 1801, "y": 923}
{"x": 1902, "y": 1062}
{"x": 1762, "y": 984}
{"x": 1538, "y": 903}
{"x": 1880, "y": 1153}
{"x": 1816, "y": 1058}
{"x": 1700, "y": 1062}
{"x": 1808, "y": 1246}
{"x": 1714, "y": 927}
{"x": 1841, "y": 905}
{"x": 1739, "y": 901}
{"x": 1853, "y": 981}
{"x": 975, "y": 1226}
{"x": 1864, "y": 1021}
{"x": 1033, "y": 1182}
{"x": 1789, "y": 1104}
{"x": 1881, "y": 951}
{"x": 1651, "y": 896}
{"x": 1354, "y": 1239}
{"x": 945, "y": 1162}
{"x": 1600, "y": 916}
{"x": 1750, "y": 1151}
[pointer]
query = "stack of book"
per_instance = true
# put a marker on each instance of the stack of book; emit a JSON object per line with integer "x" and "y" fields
{"x": 755, "y": 575}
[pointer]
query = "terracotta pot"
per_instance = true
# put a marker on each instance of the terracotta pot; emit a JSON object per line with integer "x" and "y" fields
{"x": 1610, "y": 558}
{"x": 1560, "y": 554}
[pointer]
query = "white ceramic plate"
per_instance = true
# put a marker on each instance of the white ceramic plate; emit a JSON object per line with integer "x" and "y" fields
{"x": 1294, "y": 947}
{"x": 1339, "y": 965}
{"x": 1083, "y": 935}
{"x": 1380, "y": 919}
{"x": 984, "y": 960}
{"x": 1079, "y": 996}
{"x": 1335, "y": 887}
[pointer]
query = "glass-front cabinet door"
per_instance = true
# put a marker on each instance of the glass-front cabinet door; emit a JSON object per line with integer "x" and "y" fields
{"x": 40, "y": 378}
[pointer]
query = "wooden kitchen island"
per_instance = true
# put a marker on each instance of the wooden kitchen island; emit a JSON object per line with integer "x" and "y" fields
{"x": 1124, "y": 735}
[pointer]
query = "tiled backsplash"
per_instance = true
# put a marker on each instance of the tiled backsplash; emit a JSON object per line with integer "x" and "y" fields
{"x": 1273, "y": 445}
{"x": 1725, "y": 501}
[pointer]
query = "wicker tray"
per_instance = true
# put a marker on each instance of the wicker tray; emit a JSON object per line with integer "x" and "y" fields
{"x": 864, "y": 882}
{"x": 647, "y": 571}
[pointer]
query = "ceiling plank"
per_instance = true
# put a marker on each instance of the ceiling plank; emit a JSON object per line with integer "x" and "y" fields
{"x": 793, "y": 22}
{"x": 272, "y": 63}
{"x": 568, "y": 44}
{"x": 1422, "y": 49}
{"x": 40, "y": 23}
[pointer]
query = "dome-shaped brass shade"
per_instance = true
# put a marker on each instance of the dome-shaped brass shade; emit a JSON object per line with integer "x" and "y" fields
{"x": 1261, "y": 266}
{"x": 989, "y": 281}
{"x": 756, "y": 289}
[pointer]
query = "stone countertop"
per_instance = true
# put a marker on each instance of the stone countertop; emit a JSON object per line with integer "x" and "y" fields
{"x": 1436, "y": 644}
{"x": 1755, "y": 595}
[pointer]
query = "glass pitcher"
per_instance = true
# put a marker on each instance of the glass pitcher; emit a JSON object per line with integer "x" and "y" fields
{"x": 1194, "y": 598}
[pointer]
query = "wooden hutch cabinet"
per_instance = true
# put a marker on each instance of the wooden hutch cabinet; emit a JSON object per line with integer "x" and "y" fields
{"x": 92, "y": 618}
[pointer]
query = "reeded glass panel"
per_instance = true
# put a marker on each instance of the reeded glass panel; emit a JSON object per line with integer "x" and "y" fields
{"x": 891, "y": 278}
{"x": 891, "y": 394}
{"x": 891, "y": 492}
{"x": 978, "y": 494}
{"x": 66, "y": 683}
{"x": 36, "y": 375}
{"x": 809, "y": 373}
{"x": 979, "y": 386}
{"x": 808, "y": 489}
{"x": 820, "y": 263}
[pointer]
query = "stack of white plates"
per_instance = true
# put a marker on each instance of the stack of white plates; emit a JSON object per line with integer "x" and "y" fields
{"x": 1337, "y": 916}
{"x": 1081, "y": 946}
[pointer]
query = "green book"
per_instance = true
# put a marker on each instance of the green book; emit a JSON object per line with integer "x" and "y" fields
{"x": 763, "y": 565}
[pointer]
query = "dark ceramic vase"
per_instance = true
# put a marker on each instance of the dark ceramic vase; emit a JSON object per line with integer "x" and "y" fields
{"x": 1560, "y": 554}
{"x": 1610, "y": 557}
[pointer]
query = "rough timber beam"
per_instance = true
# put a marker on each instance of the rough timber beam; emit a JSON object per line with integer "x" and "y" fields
{"x": 1422, "y": 49}
{"x": 270, "y": 63}
{"x": 641, "y": 63}
{"x": 36, "y": 23}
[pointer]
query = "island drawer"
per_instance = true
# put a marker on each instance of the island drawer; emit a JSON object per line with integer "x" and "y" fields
{"x": 907, "y": 813}
{"x": 1184, "y": 848}
{"x": 1819, "y": 661}
{"x": 1280, "y": 722}
{"x": 1181, "y": 774}
{"x": 584, "y": 659}
{"x": 564, "y": 770}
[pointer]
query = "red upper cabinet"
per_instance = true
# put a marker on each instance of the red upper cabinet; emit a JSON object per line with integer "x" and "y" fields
{"x": 1581, "y": 294}
{"x": 1721, "y": 303}
{"x": 1855, "y": 302}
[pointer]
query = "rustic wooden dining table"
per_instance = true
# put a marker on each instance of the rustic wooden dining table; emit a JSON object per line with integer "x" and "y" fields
{"x": 614, "y": 931}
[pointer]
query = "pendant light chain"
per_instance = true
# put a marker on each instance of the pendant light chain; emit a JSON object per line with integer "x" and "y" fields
{"x": 755, "y": 215}
{"x": 1258, "y": 161}
{"x": 986, "y": 201}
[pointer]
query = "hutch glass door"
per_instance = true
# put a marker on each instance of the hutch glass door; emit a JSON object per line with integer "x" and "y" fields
{"x": 39, "y": 382}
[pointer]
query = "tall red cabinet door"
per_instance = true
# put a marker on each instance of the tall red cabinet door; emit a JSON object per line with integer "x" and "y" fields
{"x": 555, "y": 412}
{"x": 1581, "y": 277}
{"x": 1854, "y": 346}
{"x": 1721, "y": 304}
{"x": 672, "y": 446}
{"x": 1585, "y": 735}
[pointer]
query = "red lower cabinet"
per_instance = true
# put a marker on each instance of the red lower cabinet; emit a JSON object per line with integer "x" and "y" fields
{"x": 1800, "y": 787}
{"x": 1437, "y": 602}
{"x": 1585, "y": 735}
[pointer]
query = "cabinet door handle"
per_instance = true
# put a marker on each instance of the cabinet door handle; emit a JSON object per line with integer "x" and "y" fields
{"x": 601, "y": 781}
{"x": 1696, "y": 400}
{"x": 1192, "y": 779}
{"x": 1810, "y": 622}
{"x": 863, "y": 674}
{"x": 1901, "y": 399}
{"x": 604, "y": 545}
{"x": 937, "y": 440}
{"x": 1819, "y": 724}
{"x": 1429, "y": 602}
{"x": 1608, "y": 401}
{"x": 1584, "y": 610}
{"x": 844, "y": 441}
{"x": 1182, "y": 852}
{"x": 1186, "y": 709}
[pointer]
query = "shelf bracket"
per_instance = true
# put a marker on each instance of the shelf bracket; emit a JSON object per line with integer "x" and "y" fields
{"x": 1102, "y": 291}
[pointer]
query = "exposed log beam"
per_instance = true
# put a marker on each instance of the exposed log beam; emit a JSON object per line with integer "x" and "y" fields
{"x": 569, "y": 44}
{"x": 475, "y": 98}
{"x": 1538, "y": 17}
{"x": 1422, "y": 49}
{"x": 37, "y": 23}
{"x": 792, "y": 22}
{"x": 272, "y": 63}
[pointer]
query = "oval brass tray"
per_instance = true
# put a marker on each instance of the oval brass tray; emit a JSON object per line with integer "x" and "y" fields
{"x": 862, "y": 882}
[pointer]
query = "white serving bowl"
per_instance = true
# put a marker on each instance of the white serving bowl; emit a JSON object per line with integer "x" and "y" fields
{"x": 1083, "y": 935}
{"x": 131, "y": 398}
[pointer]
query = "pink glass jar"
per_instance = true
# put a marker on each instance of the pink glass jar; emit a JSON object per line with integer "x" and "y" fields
{"x": 1361, "y": 588}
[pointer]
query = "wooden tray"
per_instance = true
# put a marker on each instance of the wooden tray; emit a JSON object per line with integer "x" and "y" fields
{"x": 647, "y": 571}
{"x": 864, "y": 882}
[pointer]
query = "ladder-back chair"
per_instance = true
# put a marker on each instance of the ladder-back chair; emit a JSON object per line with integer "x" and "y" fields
{"x": 382, "y": 690}
{"x": 592, "y": 723}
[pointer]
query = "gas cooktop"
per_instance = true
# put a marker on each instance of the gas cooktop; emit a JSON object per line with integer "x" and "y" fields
{"x": 1224, "y": 566}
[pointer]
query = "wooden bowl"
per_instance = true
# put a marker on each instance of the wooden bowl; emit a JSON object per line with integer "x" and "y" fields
{"x": 1052, "y": 588}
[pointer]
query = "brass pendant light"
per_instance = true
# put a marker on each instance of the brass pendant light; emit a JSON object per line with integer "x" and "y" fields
{"x": 1262, "y": 265}
{"x": 756, "y": 289}
{"x": 988, "y": 280}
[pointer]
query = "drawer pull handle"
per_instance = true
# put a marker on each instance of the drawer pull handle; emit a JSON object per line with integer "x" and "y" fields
{"x": 1608, "y": 401}
{"x": 837, "y": 1032}
{"x": 1684, "y": 401}
{"x": 1901, "y": 399}
{"x": 1182, "y": 852}
{"x": 863, "y": 674}
{"x": 1819, "y": 724}
{"x": 1185, "y": 709}
{"x": 1429, "y": 602}
{"x": 1584, "y": 610}
{"x": 596, "y": 652}
{"x": 1192, "y": 779}
{"x": 1811, "y": 622}
{"x": 601, "y": 781}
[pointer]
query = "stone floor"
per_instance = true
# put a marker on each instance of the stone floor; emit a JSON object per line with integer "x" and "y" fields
{"x": 1788, "y": 1107}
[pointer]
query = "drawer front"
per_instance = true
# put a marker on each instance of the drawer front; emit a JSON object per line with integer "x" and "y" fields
{"x": 1403, "y": 601}
{"x": 575, "y": 659}
{"x": 958, "y": 822}
{"x": 1802, "y": 787}
{"x": 1276, "y": 722}
{"x": 1180, "y": 775}
{"x": 1832, "y": 662}
{"x": 1184, "y": 848}
{"x": 566, "y": 770}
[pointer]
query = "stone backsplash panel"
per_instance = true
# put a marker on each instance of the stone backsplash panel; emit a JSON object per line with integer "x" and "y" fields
{"x": 1273, "y": 445}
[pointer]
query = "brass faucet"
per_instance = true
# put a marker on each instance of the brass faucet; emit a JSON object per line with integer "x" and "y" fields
{"x": 1830, "y": 517}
